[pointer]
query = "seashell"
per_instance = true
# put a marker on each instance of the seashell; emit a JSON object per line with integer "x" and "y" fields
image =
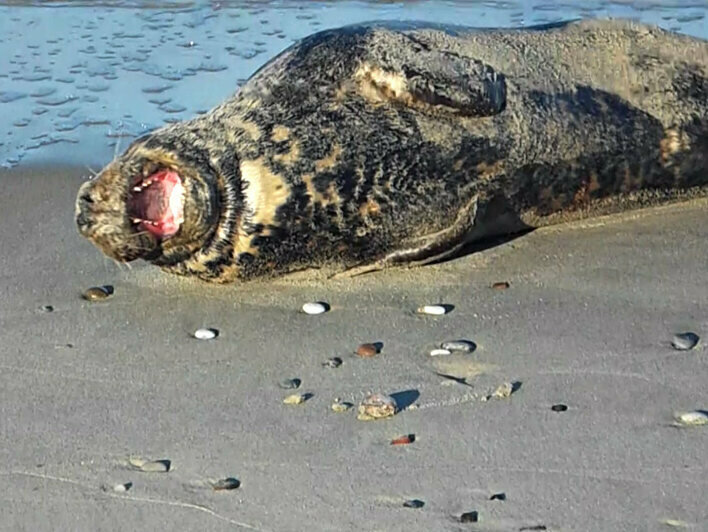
{"x": 440, "y": 352}
{"x": 376, "y": 406}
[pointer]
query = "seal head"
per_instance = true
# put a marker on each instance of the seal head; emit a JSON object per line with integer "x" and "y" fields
{"x": 149, "y": 204}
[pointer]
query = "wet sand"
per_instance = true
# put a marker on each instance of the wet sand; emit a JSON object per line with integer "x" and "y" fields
{"x": 587, "y": 321}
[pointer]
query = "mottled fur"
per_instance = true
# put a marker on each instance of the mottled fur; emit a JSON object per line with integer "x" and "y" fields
{"x": 375, "y": 145}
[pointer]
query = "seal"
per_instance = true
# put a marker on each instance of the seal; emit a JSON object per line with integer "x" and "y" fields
{"x": 383, "y": 144}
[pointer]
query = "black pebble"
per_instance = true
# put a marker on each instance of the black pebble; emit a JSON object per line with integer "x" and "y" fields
{"x": 334, "y": 362}
{"x": 560, "y": 407}
{"x": 469, "y": 517}
{"x": 414, "y": 503}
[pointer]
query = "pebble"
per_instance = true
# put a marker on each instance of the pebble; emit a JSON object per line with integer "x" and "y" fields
{"x": 433, "y": 310}
{"x": 502, "y": 285}
{"x": 560, "y": 407}
{"x": 469, "y": 517}
{"x": 367, "y": 350}
{"x": 414, "y": 503}
{"x": 376, "y": 406}
{"x": 339, "y": 406}
{"x": 120, "y": 488}
{"x": 98, "y": 293}
{"x": 296, "y": 399}
{"x": 151, "y": 466}
{"x": 693, "y": 419}
{"x": 206, "y": 334}
{"x": 685, "y": 341}
{"x": 501, "y": 496}
{"x": 314, "y": 308}
{"x": 403, "y": 440}
{"x": 290, "y": 384}
{"x": 505, "y": 390}
{"x": 333, "y": 362}
{"x": 47, "y": 308}
{"x": 463, "y": 346}
{"x": 440, "y": 352}
{"x": 223, "y": 484}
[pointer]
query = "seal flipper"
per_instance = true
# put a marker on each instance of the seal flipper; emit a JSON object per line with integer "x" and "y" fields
{"x": 399, "y": 67}
{"x": 425, "y": 249}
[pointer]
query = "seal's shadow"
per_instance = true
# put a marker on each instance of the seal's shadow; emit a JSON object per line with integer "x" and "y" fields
{"x": 483, "y": 244}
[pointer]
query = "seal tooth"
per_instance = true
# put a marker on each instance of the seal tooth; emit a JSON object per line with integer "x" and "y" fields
{"x": 137, "y": 188}
{"x": 136, "y": 220}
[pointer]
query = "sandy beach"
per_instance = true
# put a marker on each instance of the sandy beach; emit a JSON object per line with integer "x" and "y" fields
{"x": 586, "y": 322}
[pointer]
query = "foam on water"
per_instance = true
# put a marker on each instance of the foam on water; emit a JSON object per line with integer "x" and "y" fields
{"x": 79, "y": 80}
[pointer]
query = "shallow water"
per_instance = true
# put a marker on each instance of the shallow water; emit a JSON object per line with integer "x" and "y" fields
{"x": 79, "y": 80}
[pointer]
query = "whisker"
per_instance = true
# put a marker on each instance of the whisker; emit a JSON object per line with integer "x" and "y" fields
{"x": 117, "y": 146}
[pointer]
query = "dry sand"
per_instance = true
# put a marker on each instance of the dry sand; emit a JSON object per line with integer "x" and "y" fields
{"x": 586, "y": 322}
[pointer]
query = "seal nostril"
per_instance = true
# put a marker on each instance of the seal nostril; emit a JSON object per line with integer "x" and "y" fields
{"x": 82, "y": 216}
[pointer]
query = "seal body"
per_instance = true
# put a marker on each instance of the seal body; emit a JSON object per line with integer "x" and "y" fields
{"x": 384, "y": 144}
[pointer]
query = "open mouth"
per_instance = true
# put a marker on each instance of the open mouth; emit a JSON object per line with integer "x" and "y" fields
{"x": 155, "y": 204}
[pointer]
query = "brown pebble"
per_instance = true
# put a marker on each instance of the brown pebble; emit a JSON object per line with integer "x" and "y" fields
{"x": 403, "y": 440}
{"x": 367, "y": 350}
{"x": 501, "y": 285}
{"x": 98, "y": 293}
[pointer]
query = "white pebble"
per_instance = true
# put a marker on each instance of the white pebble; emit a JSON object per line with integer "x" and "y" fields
{"x": 694, "y": 418}
{"x": 314, "y": 308}
{"x": 433, "y": 310}
{"x": 205, "y": 334}
{"x": 122, "y": 487}
{"x": 464, "y": 346}
{"x": 440, "y": 352}
{"x": 150, "y": 466}
{"x": 685, "y": 341}
{"x": 295, "y": 399}
{"x": 339, "y": 406}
